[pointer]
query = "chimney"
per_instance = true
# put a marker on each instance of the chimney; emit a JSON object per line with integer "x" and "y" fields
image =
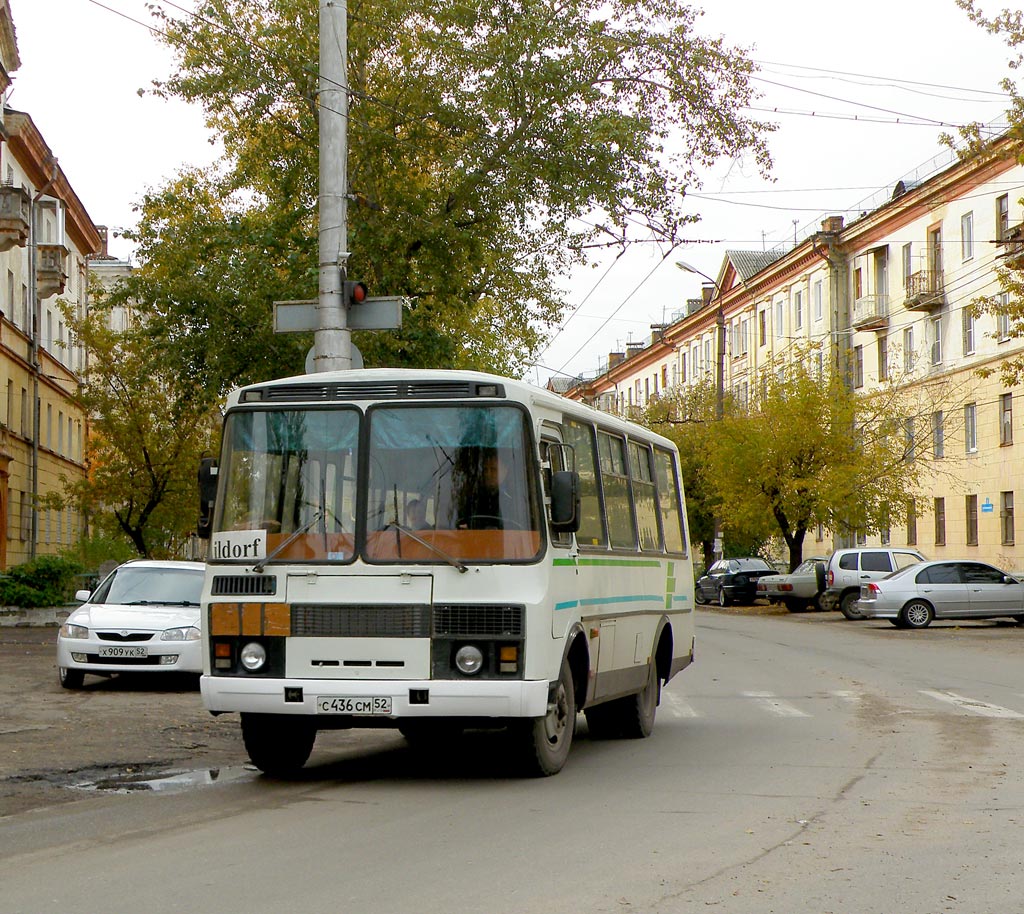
{"x": 615, "y": 358}
{"x": 707, "y": 291}
{"x": 832, "y": 225}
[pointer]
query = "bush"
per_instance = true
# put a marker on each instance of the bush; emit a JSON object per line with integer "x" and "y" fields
{"x": 46, "y": 581}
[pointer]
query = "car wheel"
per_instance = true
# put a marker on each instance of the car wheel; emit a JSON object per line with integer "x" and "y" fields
{"x": 723, "y": 600}
{"x": 70, "y": 679}
{"x": 795, "y": 606}
{"x": 698, "y": 595}
{"x": 917, "y": 614}
{"x": 278, "y": 744}
{"x": 848, "y": 605}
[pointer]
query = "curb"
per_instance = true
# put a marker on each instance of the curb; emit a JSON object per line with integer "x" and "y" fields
{"x": 14, "y": 616}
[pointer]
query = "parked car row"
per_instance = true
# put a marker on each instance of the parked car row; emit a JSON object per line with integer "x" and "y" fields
{"x": 897, "y": 584}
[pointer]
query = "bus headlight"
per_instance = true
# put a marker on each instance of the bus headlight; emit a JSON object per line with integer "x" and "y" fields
{"x": 469, "y": 659}
{"x": 253, "y": 656}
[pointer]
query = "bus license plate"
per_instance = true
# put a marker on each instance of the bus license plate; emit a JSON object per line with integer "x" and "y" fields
{"x": 358, "y": 705}
{"x": 124, "y": 652}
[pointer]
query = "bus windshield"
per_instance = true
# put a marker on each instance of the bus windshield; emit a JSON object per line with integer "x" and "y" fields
{"x": 441, "y": 483}
{"x": 458, "y": 478}
{"x": 290, "y": 474}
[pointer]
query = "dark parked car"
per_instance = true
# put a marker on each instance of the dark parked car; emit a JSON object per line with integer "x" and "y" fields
{"x": 731, "y": 580}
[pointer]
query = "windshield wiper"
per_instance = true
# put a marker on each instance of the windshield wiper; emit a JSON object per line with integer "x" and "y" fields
{"x": 258, "y": 567}
{"x": 455, "y": 563}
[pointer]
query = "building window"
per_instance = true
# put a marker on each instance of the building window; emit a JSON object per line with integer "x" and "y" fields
{"x": 940, "y": 522}
{"x": 912, "y": 523}
{"x": 780, "y": 311}
{"x": 858, "y": 366}
{"x": 971, "y": 428}
{"x": 24, "y": 413}
{"x": 1006, "y": 518}
{"x": 883, "y": 358}
{"x": 968, "y": 330}
{"x": 862, "y": 538}
{"x": 937, "y": 341}
{"x": 938, "y": 436}
{"x": 818, "y": 301}
{"x": 908, "y": 266}
{"x": 798, "y": 309}
{"x": 972, "y": 520}
{"x": 908, "y": 350}
{"x": 967, "y": 236}
{"x": 762, "y": 327}
{"x": 910, "y": 445}
{"x": 1003, "y": 318}
{"x": 1006, "y": 418}
{"x": 1002, "y": 216}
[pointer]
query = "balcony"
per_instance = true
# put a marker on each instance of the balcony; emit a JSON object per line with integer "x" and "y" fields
{"x": 871, "y": 312}
{"x": 15, "y": 206}
{"x": 51, "y": 269}
{"x": 924, "y": 291}
{"x": 1012, "y": 244}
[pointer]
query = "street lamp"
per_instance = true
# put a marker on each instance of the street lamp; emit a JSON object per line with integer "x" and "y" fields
{"x": 720, "y": 353}
{"x": 717, "y": 547}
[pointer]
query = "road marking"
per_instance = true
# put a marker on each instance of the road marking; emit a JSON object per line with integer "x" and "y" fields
{"x": 969, "y": 704}
{"x": 680, "y": 707}
{"x": 847, "y": 695}
{"x": 769, "y": 702}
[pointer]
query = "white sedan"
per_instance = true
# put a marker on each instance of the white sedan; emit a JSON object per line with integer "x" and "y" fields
{"x": 144, "y": 617}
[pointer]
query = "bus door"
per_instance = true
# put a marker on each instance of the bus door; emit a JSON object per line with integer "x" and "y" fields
{"x": 554, "y": 457}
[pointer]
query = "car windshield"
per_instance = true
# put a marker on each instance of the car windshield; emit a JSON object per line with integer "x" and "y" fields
{"x": 805, "y": 567}
{"x": 142, "y": 586}
{"x": 750, "y": 565}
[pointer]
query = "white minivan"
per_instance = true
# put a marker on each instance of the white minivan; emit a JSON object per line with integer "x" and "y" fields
{"x": 848, "y": 569}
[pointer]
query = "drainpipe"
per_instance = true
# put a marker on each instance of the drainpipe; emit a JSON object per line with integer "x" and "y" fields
{"x": 33, "y": 297}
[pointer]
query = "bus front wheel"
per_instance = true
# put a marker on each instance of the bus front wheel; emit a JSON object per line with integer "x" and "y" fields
{"x": 278, "y": 744}
{"x": 544, "y": 742}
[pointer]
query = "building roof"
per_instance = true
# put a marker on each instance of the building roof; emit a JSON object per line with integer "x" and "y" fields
{"x": 750, "y": 263}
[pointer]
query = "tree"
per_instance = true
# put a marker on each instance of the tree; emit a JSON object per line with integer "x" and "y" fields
{"x": 491, "y": 149}
{"x": 147, "y": 436}
{"x": 810, "y": 451}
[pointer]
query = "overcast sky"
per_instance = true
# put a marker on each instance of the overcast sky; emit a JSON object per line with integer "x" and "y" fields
{"x": 858, "y": 91}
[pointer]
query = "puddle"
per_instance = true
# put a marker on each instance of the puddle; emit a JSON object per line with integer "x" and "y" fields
{"x": 167, "y": 782}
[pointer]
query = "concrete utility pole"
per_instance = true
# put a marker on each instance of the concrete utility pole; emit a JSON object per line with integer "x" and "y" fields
{"x": 333, "y": 339}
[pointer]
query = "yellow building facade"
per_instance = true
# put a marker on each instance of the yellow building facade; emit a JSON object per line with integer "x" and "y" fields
{"x": 891, "y": 299}
{"x": 46, "y": 239}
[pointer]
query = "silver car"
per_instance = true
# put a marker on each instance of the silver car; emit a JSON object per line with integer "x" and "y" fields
{"x": 912, "y": 597}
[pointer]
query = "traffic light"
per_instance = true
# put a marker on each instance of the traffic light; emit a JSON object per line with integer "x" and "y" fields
{"x": 354, "y": 293}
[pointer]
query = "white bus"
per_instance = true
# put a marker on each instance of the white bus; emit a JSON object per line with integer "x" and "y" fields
{"x": 436, "y": 551}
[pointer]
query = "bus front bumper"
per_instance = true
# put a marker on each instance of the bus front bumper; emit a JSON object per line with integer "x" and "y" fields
{"x": 409, "y": 698}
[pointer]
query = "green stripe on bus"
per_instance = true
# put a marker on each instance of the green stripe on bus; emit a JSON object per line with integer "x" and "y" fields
{"x": 632, "y": 563}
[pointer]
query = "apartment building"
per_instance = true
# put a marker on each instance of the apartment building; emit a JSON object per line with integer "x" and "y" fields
{"x": 889, "y": 298}
{"x": 46, "y": 237}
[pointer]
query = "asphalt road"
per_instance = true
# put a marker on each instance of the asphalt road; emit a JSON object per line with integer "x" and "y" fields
{"x": 803, "y": 765}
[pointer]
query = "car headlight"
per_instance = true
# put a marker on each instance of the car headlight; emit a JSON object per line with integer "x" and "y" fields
{"x": 70, "y": 630}
{"x": 189, "y": 633}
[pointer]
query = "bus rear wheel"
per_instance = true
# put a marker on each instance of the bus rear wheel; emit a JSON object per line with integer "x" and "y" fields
{"x": 631, "y": 717}
{"x": 278, "y": 744}
{"x": 543, "y": 743}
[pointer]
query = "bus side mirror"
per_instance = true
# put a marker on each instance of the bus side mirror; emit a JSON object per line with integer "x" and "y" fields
{"x": 207, "y": 496}
{"x": 565, "y": 501}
